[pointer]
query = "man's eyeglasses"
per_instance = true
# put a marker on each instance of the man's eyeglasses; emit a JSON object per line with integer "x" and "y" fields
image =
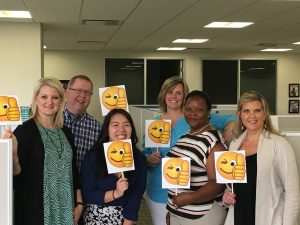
{"x": 81, "y": 91}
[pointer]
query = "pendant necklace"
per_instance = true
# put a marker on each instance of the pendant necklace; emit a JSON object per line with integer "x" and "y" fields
{"x": 199, "y": 130}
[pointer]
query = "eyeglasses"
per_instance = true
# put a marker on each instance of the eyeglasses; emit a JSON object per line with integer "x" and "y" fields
{"x": 81, "y": 91}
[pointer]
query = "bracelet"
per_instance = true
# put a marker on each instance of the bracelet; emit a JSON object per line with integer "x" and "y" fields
{"x": 79, "y": 203}
{"x": 228, "y": 130}
{"x": 113, "y": 195}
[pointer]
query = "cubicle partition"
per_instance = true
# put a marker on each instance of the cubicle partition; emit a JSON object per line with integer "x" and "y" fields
{"x": 6, "y": 182}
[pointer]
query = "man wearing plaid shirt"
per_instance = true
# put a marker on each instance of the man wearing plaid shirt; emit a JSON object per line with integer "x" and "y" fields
{"x": 85, "y": 128}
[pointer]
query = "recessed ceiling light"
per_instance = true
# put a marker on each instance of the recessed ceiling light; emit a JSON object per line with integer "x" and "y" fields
{"x": 297, "y": 43}
{"x": 44, "y": 46}
{"x": 15, "y": 14}
{"x": 190, "y": 40}
{"x": 276, "y": 49}
{"x": 172, "y": 48}
{"x": 228, "y": 24}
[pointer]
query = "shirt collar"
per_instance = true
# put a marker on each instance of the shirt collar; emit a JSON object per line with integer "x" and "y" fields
{"x": 73, "y": 117}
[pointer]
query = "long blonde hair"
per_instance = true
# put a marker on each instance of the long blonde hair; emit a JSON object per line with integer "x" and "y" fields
{"x": 53, "y": 83}
{"x": 251, "y": 96}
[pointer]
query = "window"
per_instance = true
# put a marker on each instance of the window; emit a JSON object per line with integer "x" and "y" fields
{"x": 130, "y": 72}
{"x": 220, "y": 80}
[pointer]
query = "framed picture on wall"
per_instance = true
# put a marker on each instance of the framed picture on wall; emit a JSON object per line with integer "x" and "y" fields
{"x": 293, "y": 106}
{"x": 293, "y": 90}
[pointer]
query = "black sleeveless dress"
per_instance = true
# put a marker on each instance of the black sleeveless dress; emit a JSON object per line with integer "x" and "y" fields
{"x": 244, "y": 210}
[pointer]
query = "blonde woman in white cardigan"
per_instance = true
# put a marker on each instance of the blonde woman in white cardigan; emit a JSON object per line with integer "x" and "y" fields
{"x": 271, "y": 195}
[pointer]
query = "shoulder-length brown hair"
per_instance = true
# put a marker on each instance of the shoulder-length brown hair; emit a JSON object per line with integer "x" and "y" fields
{"x": 168, "y": 85}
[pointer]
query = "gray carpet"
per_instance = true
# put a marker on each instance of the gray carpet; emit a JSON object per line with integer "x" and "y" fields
{"x": 144, "y": 215}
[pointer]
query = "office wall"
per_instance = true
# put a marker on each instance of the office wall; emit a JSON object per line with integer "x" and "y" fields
{"x": 20, "y": 59}
{"x": 65, "y": 64}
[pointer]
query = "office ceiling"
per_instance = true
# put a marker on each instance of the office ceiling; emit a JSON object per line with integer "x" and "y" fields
{"x": 145, "y": 25}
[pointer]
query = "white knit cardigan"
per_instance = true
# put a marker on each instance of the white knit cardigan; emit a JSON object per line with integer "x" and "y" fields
{"x": 277, "y": 188}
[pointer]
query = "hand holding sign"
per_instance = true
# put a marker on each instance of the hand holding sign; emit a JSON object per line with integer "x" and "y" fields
{"x": 239, "y": 169}
{"x": 165, "y": 135}
{"x": 184, "y": 174}
{"x": 121, "y": 187}
{"x": 13, "y": 112}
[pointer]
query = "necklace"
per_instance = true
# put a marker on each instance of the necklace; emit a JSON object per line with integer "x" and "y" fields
{"x": 199, "y": 130}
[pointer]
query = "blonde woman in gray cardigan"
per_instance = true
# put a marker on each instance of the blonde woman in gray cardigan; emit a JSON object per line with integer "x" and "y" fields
{"x": 271, "y": 194}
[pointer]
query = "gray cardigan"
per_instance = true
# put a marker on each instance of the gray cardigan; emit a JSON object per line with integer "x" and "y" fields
{"x": 277, "y": 188}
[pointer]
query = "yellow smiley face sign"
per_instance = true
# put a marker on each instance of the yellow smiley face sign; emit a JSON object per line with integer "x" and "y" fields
{"x": 230, "y": 165}
{"x": 110, "y": 98}
{"x": 157, "y": 133}
{"x": 113, "y": 98}
{"x": 9, "y": 111}
{"x": 119, "y": 154}
{"x": 176, "y": 171}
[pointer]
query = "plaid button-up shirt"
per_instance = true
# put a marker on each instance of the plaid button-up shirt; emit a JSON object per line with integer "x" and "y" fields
{"x": 86, "y": 131}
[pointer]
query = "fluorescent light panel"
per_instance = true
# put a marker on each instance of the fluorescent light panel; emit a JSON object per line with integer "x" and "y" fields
{"x": 276, "y": 49}
{"x": 297, "y": 43}
{"x": 228, "y": 24}
{"x": 15, "y": 14}
{"x": 193, "y": 41}
{"x": 171, "y": 49}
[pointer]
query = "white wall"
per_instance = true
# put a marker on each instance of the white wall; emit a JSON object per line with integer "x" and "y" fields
{"x": 66, "y": 64}
{"x": 20, "y": 59}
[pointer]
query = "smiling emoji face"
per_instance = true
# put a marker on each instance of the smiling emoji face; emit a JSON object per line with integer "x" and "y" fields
{"x": 110, "y": 98}
{"x": 155, "y": 130}
{"x": 172, "y": 169}
{"x": 4, "y": 105}
{"x": 115, "y": 153}
{"x": 226, "y": 164}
